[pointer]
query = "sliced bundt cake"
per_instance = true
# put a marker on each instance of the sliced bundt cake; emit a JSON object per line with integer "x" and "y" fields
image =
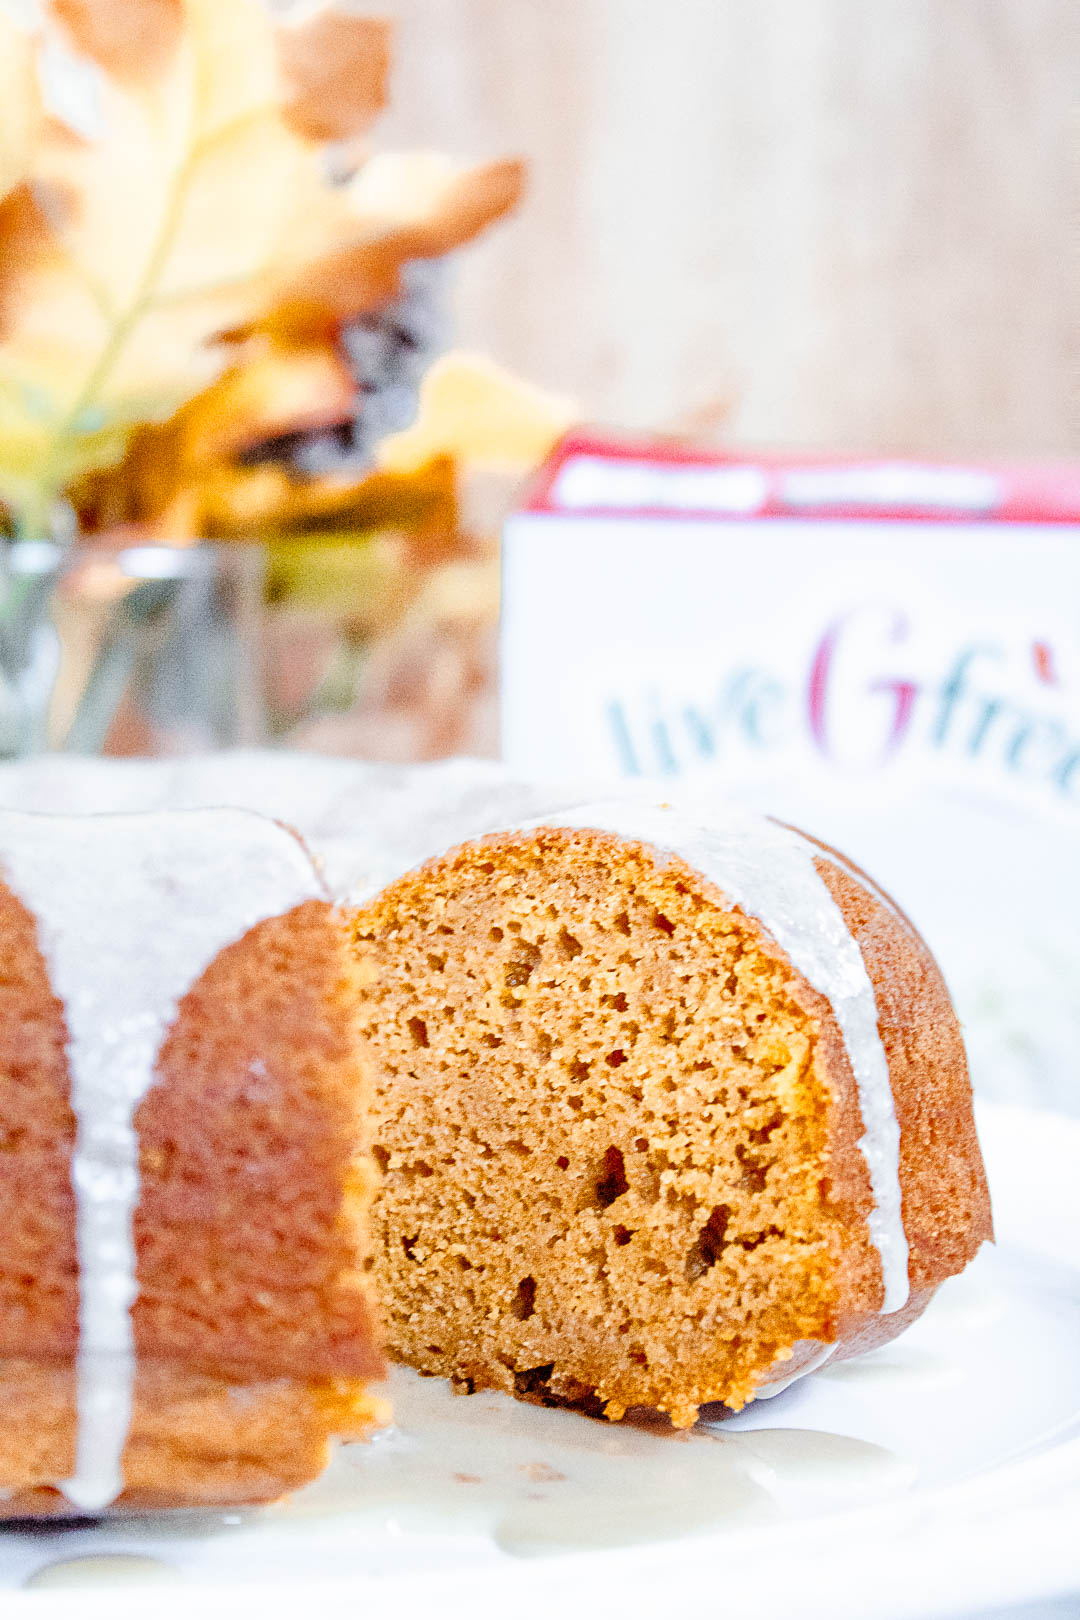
{"x": 183, "y": 1316}
{"x": 665, "y": 1114}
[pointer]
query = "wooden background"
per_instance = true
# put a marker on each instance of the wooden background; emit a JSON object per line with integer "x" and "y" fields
{"x": 848, "y": 222}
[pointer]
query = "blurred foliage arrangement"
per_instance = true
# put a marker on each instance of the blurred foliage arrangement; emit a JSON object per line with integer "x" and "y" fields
{"x": 199, "y": 257}
{"x": 188, "y": 246}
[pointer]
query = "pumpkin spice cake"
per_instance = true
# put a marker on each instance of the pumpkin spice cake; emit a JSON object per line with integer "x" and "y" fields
{"x": 666, "y": 1115}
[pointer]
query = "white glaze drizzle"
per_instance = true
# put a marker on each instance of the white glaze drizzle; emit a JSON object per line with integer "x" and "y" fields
{"x": 768, "y": 871}
{"x": 130, "y": 911}
{"x": 776, "y": 1386}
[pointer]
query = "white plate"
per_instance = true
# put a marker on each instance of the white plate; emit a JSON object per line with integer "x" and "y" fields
{"x": 936, "y": 1476}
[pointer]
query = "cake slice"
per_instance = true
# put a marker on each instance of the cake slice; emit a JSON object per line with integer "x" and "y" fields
{"x": 666, "y": 1115}
{"x": 184, "y": 1316}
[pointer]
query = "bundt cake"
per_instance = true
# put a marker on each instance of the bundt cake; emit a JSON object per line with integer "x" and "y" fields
{"x": 183, "y": 1313}
{"x": 665, "y": 1114}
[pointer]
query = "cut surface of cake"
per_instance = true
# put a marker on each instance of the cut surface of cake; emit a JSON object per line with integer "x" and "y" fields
{"x": 666, "y": 1114}
{"x": 183, "y": 1311}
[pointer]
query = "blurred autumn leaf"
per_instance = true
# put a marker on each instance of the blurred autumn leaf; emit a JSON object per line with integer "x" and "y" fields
{"x": 192, "y": 245}
{"x": 205, "y": 332}
{"x": 151, "y": 238}
{"x": 288, "y": 376}
{"x": 192, "y": 477}
{"x": 19, "y": 104}
{"x": 132, "y": 42}
{"x": 336, "y": 69}
{"x": 273, "y": 388}
{"x": 404, "y": 206}
{"x": 481, "y": 415}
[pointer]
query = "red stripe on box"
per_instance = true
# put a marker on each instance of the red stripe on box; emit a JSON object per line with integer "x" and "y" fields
{"x": 595, "y": 474}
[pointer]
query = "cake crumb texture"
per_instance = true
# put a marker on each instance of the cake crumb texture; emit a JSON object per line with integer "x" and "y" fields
{"x": 618, "y": 1132}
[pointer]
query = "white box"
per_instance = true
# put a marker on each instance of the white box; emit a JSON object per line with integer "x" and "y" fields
{"x": 886, "y": 653}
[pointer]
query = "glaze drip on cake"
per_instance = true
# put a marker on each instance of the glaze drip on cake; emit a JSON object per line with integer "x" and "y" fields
{"x": 768, "y": 871}
{"x": 821, "y": 1353}
{"x": 131, "y": 910}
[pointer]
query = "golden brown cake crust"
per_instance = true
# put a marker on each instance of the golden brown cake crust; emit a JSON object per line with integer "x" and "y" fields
{"x": 254, "y": 1186}
{"x": 39, "y": 1296}
{"x": 254, "y": 1328}
{"x": 611, "y": 1113}
{"x": 946, "y": 1201}
{"x": 196, "y": 1440}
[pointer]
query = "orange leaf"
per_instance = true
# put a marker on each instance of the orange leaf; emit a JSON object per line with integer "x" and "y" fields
{"x": 336, "y": 70}
{"x": 400, "y": 207}
{"x": 24, "y": 232}
{"x": 261, "y": 501}
{"x": 131, "y": 40}
{"x": 20, "y": 106}
{"x": 274, "y": 388}
{"x": 271, "y": 390}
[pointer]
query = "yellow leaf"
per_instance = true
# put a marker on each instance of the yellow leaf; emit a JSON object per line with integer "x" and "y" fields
{"x": 133, "y": 263}
{"x": 153, "y": 238}
{"x": 480, "y": 414}
{"x": 20, "y": 108}
{"x": 358, "y": 578}
{"x": 336, "y": 69}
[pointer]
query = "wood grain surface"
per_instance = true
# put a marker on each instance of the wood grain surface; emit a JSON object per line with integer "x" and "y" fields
{"x": 836, "y": 222}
